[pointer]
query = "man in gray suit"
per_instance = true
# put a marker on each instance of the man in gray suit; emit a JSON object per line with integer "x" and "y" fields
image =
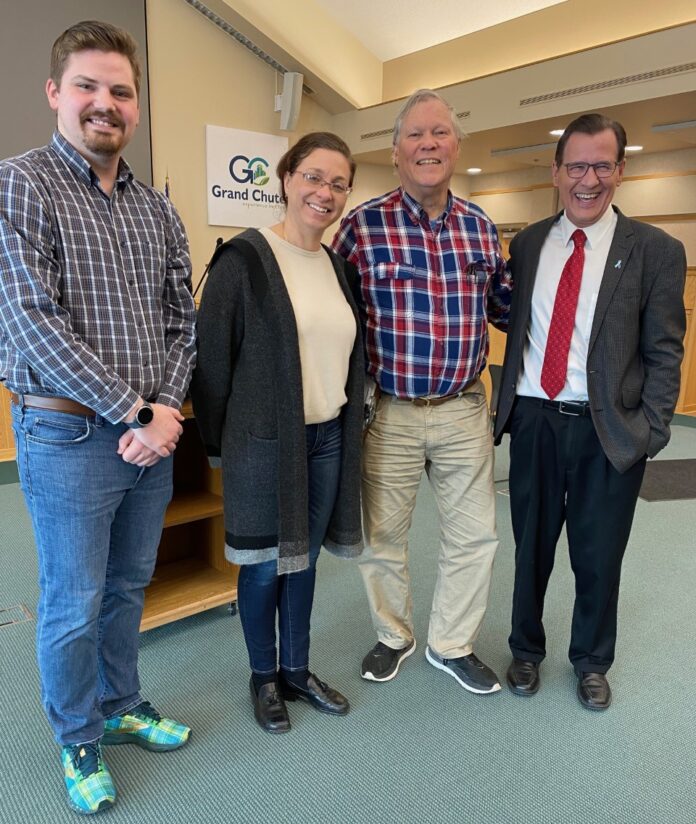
{"x": 589, "y": 386}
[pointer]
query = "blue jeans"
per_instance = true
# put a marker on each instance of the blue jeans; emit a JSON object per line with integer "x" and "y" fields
{"x": 97, "y": 522}
{"x": 261, "y": 592}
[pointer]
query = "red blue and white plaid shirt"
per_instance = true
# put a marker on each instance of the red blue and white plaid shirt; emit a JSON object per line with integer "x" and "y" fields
{"x": 428, "y": 290}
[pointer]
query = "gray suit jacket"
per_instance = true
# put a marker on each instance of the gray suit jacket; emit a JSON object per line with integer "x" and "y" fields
{"x": 635, "y": 349}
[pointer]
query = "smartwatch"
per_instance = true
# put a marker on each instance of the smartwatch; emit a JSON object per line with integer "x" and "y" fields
{"x": 143, "y": 417}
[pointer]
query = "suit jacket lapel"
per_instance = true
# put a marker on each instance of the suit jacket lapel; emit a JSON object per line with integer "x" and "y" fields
{"x": 617, "y": 262}
{"x": 529, "y": 264}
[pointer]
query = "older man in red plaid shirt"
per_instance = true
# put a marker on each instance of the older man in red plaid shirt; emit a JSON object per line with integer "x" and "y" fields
{"x": 431, "y": 278}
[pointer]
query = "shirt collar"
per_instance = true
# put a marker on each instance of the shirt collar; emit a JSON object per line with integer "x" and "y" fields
{"x": 79, "y": 165}
{"x": 418, "y": 213}
{"x": 594, "y": 233}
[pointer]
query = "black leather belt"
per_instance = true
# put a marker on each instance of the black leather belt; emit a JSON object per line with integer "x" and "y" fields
{"x": 53, "y": 403}
{"x": 577, "y": 408}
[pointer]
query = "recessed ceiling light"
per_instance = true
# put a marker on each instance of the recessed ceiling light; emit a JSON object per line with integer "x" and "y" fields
{"x": 634, "y": 148}
{"x": 474, "y": 170}
{"x": 556, "y": 132}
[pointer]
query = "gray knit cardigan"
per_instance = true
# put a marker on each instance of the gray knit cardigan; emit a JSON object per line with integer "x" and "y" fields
{"x": 247, "y": 398}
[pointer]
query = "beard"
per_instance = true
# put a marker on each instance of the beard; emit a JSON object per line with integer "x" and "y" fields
{"x": 103, "y": 144}
{"x": 106, "y": 144}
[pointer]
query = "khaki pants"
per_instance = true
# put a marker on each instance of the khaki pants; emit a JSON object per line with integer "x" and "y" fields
{"x": 453, "y": 443}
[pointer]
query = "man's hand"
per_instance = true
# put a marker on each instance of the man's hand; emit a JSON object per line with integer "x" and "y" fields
{"x": 163, "y": 432}
{"x": 133, "y": 451}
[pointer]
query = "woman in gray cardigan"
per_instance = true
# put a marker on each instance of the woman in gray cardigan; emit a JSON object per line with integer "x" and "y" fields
{"x": 278, "y": 394}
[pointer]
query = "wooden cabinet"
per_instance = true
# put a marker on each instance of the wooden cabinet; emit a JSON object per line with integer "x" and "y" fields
{"x": 686, "y": 404}
{"x": 192, "y": 574}
{"x": 7, "y": 445}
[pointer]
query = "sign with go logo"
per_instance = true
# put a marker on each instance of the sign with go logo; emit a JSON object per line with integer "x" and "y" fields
{"x": 242, "y": 186}
{"x": 253, "y": 171}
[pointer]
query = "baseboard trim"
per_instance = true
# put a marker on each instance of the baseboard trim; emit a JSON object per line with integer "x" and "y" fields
{"x": 8, "y": 472}
{"x": 684, "y": 420}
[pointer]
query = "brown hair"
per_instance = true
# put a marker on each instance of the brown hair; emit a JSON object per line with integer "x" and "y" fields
{"x": 592, "y": 124}
{"x": 94, "y": 34}
{"x": 289, "y": 162}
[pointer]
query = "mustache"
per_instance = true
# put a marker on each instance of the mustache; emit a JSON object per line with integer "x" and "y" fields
{"x": 108, "y": 115}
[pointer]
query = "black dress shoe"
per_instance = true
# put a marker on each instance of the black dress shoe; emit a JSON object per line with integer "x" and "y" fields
{"x": 321, "y": 696}
{"x": 594, "y": 691}
{"x": 269, "y": 708}
{"x": 523, "y": 677}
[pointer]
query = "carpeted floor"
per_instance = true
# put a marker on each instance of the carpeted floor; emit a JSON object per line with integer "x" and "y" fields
{"x": 417, "y": 749}
{"x": 669, "y": 480}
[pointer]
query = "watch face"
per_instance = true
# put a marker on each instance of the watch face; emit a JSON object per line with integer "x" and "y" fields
{"x": 144, "y": 415}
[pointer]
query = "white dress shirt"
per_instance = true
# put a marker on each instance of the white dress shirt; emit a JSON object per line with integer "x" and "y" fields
{"x": 556, "y": 250}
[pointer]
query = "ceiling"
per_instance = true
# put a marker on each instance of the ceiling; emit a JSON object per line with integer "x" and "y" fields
{"x": 394, "y": 28}
{"x": 362, "y": 56}
{"x": 637, "y": 118}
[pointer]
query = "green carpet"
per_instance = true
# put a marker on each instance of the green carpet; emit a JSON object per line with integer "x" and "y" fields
{"x": 417, "y": 749}
{"x": 669, "y": 480}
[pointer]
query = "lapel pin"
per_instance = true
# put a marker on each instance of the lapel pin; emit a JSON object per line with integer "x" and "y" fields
{"x": 617, "y": 265}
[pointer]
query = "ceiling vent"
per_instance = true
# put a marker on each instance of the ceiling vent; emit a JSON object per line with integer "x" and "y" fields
{"x": 610, "y": 84}
{"x": 243, "y": 40}
{"x": 385, "y": 132}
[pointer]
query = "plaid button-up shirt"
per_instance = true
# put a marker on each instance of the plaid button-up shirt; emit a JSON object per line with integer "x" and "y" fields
{"x": 95, "y": 300}
{"x": 428, "y": 289}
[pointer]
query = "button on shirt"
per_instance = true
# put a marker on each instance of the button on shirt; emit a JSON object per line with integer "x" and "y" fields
{"x": 428, "y": 289}
{"x": 557, "y": 248}
{"x": 95, "y": 300}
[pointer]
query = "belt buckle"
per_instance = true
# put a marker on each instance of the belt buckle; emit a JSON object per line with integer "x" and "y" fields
{"x": 564, "y": 408}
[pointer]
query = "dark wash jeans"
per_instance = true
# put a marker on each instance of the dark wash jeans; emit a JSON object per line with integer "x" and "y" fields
{"x": 262, "y": 593}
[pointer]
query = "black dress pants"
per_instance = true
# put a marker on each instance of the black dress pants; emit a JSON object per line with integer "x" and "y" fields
{"x": 560, "y": 474}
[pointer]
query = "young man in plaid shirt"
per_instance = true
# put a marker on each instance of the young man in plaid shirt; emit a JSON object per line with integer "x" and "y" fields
{"x": 97, "y": 345}
{"x": 431, "y": 278}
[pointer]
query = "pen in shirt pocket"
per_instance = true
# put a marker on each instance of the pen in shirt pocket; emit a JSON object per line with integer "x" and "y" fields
{"x": 477, "y": 271}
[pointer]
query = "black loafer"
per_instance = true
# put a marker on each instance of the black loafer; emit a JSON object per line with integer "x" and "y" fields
{"x": 269, "y": 708}
{"x": 523, "y": 677}
{"x": 321, "y": 696}
{"x": 594, "y": 691}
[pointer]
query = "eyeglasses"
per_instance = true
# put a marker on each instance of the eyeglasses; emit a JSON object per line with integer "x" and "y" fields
{"x": 578, "y": 170}
{"x": 317, "y": 181}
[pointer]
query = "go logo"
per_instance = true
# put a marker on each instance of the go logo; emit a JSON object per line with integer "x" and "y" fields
{"x": 254, "y": 171}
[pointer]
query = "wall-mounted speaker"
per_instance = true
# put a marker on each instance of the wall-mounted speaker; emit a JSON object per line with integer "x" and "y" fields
{"x": 289, "y": 102}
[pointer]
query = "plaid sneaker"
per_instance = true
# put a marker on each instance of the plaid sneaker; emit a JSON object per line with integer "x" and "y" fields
{"x": 144, "y": 726}
{"x": 382, "y": 662}
{"x": 471, "y": 673}
{"x": 87, "y": 778}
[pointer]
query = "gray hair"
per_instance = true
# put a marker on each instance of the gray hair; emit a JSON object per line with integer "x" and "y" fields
{"x": 421, "y": 96}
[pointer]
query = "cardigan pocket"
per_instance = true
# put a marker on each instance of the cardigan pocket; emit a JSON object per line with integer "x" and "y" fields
{"x": 262, "y": 466}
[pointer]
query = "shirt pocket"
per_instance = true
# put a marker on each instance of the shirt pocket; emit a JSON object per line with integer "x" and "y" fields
{"x": 148, "y": 264}
{"x": 393, "y": 287}
{"x": 478, "y": 272}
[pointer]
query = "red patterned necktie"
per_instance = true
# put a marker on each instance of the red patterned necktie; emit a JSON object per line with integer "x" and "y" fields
{"x": 555, "y": 368}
